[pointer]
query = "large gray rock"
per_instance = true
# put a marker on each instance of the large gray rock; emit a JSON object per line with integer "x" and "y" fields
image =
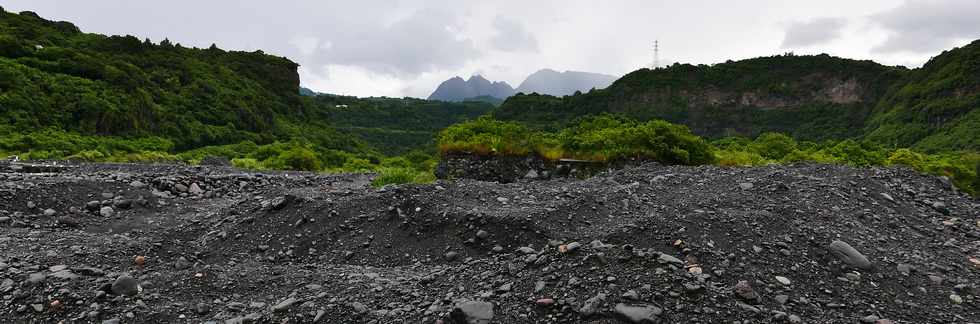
{"x": 592, "y": 305}
{"x": 472, "y": 312}
{"x": 849, "y": 255}
{"x": 284, "y": 305}
{"x": 126, "y": 285}
{"x": 641, "y": 314}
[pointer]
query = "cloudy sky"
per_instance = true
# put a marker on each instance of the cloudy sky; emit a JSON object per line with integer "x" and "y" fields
{"x": 406, "y": 47}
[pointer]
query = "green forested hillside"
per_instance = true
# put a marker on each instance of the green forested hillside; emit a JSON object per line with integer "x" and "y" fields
{"x": 812, "y": 97}
{"x": 394, "y": 125}
{"x": 933, "y": 108}
{"x": 55, "y": 76}
{"x": 936, "y": 108}
{"x": 65, "y": 93}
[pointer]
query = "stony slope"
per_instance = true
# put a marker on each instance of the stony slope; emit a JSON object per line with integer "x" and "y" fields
{"x": 650, "y": 244}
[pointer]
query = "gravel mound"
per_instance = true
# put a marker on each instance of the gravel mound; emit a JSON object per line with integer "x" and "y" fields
{"x": 807, "y": 243}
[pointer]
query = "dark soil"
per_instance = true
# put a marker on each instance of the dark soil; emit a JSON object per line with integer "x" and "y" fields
{"x": 653, "y": 244}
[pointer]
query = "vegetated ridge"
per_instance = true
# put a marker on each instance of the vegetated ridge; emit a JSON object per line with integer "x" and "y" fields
{"x": 933, "y": 108}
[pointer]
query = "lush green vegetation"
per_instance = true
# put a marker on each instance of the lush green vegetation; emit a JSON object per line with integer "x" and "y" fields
{"x": 394, "y": 126}
{"x": 932, "y": 109}
{"x": 65, "y": 94}
{"x": 731, "y": 98}
{"x": 599, "y": 138}
{"x": 608, "y": 138}
{"x": 936, "y": 108}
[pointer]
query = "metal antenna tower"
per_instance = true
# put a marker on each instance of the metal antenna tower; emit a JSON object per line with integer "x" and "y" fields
{"x": 656, "y": 54}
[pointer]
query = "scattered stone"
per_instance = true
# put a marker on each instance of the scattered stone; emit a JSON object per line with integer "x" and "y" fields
{"x": 202, "y": 308}
{"x": 450, "y": 256}
{"x": 783, "y": 280}
{"x": 592, "y": 305}
{"x": 744, "y": 290}
{"x": 849, "y": 255}
{"x": 666, "y": 258}
{"x": 472, "y": 312}
{"x": 359, "y": 308}
{"x": 36, "y": 278}
{"x": 748, "y": 307}
{"x": 887, "y": 197}
{"x": 483, "y": 235}
{"x": 569, "y": 248}
{"x": 956, "y": 299}
{"x": 107, "y": 211}
{"x": 746, "y": 185}
{"x": 641, "y": 314}
{"x": 525, "y": 250}
{"x": 284, "y": 305}
{"x": 126, "y": 286}
{"x": 781, "y": 299}
{"x": 194, "y": 189}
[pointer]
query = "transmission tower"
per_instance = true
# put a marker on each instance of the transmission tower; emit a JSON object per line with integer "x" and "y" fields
{"x": 656, "y": 54}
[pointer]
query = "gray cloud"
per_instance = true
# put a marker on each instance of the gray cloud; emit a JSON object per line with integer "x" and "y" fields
{"x": 813, "y": 32}
{"x": 422, "y": 42}
{"x": 512, "y": 36}
{"x": 928, "y": 26}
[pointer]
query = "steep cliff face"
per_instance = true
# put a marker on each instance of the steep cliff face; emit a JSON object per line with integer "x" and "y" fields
{"x": 809, "y": 96}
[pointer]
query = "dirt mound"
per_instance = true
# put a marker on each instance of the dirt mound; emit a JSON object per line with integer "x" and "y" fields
{"x": 803, "y": 243}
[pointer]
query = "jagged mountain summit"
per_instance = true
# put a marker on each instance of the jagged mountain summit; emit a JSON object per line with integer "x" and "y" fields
{"x": 457, "y": 89}
{"x": 551, "y": 82}
{"x": 545, "y": 81}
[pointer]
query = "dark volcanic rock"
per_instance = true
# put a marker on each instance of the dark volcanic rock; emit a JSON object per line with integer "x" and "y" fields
{"x": 641, "y": 314}
{"x": 125, "y": 285}
{"x": 472, "y": 312}
{"x": 849, "y": 255}
{"x": 644, "y": 244}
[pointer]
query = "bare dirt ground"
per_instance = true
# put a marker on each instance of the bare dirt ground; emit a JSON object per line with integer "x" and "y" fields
{"x": 809, "y": 243}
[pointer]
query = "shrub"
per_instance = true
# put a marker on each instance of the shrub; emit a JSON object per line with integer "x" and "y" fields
{"x": 601, "y": 138}
{"x": 300, "y": 158}
{"x": 387, "y": 176}
{"x": 774, "y": 146}
{"x": 740, "y": 158}
{"x": 247, "y": 163}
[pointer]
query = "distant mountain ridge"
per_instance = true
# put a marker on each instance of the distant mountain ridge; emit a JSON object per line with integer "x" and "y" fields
{"x": 545, "y": 81}
{"x": 551, "y": 82}
{"x": 456, "y": 89}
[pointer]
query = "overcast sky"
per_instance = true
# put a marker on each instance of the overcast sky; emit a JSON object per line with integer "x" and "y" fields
{"x": 407, "y": 47}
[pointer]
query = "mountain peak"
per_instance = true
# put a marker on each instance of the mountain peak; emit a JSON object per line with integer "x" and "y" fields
{"x": 455, "y": 89}
{"x": 552, "y": 82}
